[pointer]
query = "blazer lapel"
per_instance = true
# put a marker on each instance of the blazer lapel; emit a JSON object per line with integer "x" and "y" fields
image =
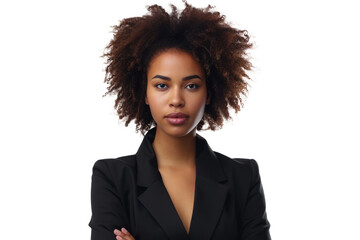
{"x": 210, "y": 192}
{"x": 155, "y": 198}
{"x": 158, "y": 202}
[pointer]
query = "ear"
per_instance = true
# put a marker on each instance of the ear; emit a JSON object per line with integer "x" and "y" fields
{"x": 146, "y": 101}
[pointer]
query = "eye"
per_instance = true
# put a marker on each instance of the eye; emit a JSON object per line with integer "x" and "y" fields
{"x": 192, "y": 86}
{"x": 161, "y": 86}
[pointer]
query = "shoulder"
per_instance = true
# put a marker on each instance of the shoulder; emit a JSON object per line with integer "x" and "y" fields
{"x": 235, "y": 162}
{"x": 112, "y": 167}
{"x": 120, "y": 161}
{"x": 240, "y": 166}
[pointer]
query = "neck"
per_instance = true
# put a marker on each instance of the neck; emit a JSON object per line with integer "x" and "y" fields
{"x": 175, "y": 152}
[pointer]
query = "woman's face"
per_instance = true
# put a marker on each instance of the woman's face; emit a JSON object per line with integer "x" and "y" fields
{"x": 176, "y": 92}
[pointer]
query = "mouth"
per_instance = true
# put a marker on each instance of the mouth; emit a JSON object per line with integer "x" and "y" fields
{"x": 176, "y": 118}
{"x": 177, "y": 115}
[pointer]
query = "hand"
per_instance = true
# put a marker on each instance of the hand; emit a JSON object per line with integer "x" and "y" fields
{"x": 123, "y": 234}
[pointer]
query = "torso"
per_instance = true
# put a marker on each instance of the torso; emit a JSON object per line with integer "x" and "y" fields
{"x": 180, "y": 184}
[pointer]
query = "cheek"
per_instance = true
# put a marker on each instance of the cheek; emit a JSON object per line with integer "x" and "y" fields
{"x": 198, "y": 104}
{"x": 155, "y": 103}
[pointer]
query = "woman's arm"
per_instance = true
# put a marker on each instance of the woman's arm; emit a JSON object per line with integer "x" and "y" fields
{"x": 255, "y": 225}
{"x": 108, "y": 211}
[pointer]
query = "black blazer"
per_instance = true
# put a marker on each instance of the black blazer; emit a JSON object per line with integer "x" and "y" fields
{"x": 128, "y": 192}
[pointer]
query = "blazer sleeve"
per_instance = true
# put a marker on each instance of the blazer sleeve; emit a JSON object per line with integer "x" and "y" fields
{"x": 254, "y": 224}
{"x": 108, "y": 210}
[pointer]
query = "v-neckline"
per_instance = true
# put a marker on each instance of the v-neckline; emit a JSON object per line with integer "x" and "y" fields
{"x": 209, "y": 197}
{"x": 173, "y": 205}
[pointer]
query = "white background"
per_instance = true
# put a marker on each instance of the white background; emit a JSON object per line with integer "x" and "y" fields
{"x": 300, "y": 121}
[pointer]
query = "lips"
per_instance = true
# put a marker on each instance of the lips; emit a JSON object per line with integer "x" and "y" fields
{"x": 177, "y": 118}
{"x": 177, "y": 115}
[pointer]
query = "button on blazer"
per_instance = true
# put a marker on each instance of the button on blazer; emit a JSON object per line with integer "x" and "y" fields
{"x": 129, "y": 192}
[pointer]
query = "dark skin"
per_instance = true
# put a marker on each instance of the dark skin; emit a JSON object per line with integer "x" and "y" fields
{"x": 222, "y": 53}
{"x": 220, "y": 48}
{"x": 176, "y": 84}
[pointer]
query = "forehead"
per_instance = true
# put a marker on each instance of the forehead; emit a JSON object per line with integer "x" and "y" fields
{"x": 174, "y": 62}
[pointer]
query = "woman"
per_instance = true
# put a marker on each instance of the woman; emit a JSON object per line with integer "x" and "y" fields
{"x": 177, "y": 72}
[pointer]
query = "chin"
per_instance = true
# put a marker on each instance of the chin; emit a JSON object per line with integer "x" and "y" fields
{"x": 177, "y": 131}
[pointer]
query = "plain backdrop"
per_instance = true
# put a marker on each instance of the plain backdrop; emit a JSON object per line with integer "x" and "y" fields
{"x": 300, "y": 120}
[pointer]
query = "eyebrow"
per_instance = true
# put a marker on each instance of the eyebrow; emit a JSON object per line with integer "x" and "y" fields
{"x": 185, "y": 78}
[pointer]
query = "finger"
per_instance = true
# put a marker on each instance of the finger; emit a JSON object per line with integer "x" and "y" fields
{"x": 123, "y": 234}
{"x": 128, "y": 236}
{"x": 125, "y": 231}
{"x": 119, "y": 235}
{"x": 125, "y": 237}
{"x": 117, "y": 232}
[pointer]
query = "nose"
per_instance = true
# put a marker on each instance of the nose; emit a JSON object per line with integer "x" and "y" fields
{"x": 176, "y": 98}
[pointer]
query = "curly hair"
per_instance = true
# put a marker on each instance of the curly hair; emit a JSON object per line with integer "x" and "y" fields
{"x": 218, "y": 47}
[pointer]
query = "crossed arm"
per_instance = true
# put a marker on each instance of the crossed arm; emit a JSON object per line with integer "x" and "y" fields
{"x": 123, "y": 234}
{"x": 108, "y": 215}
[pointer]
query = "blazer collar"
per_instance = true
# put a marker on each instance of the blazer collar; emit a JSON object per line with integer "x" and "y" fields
{"x": 210, "y": 191}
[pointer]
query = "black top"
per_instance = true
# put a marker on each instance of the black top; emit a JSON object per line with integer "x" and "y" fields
{"x": 128, "y": 192}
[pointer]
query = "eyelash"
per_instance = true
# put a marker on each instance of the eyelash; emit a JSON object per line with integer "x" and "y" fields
{"x": 158, "y": 85}
{"x": 195, "y": 86}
